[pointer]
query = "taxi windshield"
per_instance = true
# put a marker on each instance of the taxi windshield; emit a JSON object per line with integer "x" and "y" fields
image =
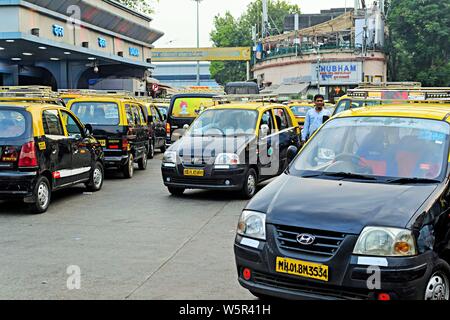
{"x": 13, "y": 124}
{"x": 300, "y": 111}
{"x": 225, "y": 122}
{"x": 377, "y": 148}
{"x": 97, "y": 113}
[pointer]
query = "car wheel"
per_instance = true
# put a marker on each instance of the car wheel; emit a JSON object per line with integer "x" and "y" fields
{"x": 42, "y": 194}
{"x": 97, "y": 177}
{"x": 437, "y": 287}
{"x": 128, "y": 169}
{"x": 143, "y": 161}
{"x": 151, "y": 150}
{"x": 250, "y": 184}
{"x": 176, "y": 191}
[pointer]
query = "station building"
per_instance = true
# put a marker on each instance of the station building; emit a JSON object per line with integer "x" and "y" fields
{"x": 69, "y": 44}
{"x": 335, "y": 51}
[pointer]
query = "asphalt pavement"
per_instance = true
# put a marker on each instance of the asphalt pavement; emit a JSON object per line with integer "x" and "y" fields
{"x": 132, "y": 240}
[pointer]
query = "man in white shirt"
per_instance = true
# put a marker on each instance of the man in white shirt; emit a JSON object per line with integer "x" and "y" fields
{"x": 314, "y": 117}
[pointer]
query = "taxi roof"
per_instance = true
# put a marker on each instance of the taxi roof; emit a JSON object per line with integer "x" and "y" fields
{"x": 30, "y": 105}
{"x": 247, "y": 106}
{"x": 105, "y": 98}
{"x": 436, "y": 111}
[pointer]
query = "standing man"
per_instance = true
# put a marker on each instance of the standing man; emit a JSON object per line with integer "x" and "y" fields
{"x": 314, "y": 117}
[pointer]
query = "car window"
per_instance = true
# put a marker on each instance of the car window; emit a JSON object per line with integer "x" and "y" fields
{"x": 342, "y": 106}
{"x": 281, "y": 118}
{"x": 136, "y": 116}
{"x": 267, "y": 119}
{"x": 72, "y": 126}
{"x": 13, "y": 124}
{"x": 300, "y": 111}
{"x": 97, "y": 113}
{"x": 156, "y": 114}
{"x": 142, "y": 114}
{"x": 52, "y": 123}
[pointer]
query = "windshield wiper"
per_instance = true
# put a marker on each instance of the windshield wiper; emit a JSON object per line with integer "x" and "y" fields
{"x": 340, "y": 175}
{"x": 412, "y": 180}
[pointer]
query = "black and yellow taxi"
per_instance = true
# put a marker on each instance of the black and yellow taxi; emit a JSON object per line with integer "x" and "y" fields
{"x": 300, "y": 109}
{"x": 43, "y": 148}
{"x": 119, "y": 123}
{"x": 231, "y": 147}
{"x": 157, "y": 126}
{"x": 362, "y": 212}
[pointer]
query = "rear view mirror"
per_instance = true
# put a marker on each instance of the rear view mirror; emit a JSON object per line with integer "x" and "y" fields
{"x": 88, "y": 129}
{"x": 291, "y": 153}
{"x": 264, "y": 130}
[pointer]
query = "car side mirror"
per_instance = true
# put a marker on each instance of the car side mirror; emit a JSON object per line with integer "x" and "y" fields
{"x": 325, "y": 118}
{"x": 88, "y": 129}
{"x": 264, "y": 130}
{"x": 291, "y": 153}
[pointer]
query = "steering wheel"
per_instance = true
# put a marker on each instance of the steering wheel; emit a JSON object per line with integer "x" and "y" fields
{"x": 358, "y": 163}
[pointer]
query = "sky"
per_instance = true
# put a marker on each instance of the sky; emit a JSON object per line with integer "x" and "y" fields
{"x": 178, "y": 18}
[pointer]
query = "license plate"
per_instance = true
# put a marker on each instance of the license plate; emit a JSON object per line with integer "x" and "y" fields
{"x": 102, "y": 143}
{"x": 302, "y": 269}
{"x": 194, "y": 173}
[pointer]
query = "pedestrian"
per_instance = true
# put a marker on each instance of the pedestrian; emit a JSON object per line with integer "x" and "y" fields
{"x": 314, "y": 117}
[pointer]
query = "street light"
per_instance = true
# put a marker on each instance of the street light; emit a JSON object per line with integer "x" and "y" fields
{"x": 198, "y": 38}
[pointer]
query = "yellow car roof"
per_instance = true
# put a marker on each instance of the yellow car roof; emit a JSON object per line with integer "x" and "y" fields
{"x": 247, "y": 106}
{"x": 106, "y": 98}
{"x": 30, "y": 105}
{"x": 437, "y": 111}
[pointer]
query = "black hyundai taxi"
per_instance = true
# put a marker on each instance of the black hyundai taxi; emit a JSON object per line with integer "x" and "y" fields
{"x": 231, "y": 147}
{"x": 362, "y": 212}
{"x": 43, "y": 148}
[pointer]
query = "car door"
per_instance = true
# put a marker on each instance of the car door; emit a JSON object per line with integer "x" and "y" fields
{"x": 59, "y": 147}
{"x": 286, "y": 135}
{"x": 268, "y": 167}
{"x": 140, "y": 130}
{"x": 160, "y": 128}
{"x": 82, "y": 157}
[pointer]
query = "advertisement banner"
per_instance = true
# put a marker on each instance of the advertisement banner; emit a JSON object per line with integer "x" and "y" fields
{"x": 201, "y": 54}
{"x": 337, "y": 73}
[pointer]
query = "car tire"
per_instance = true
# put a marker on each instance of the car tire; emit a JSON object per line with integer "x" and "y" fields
{"x": 43, "y": 194}
{"x": 250, "y": 184}
{"x": 437, "y": 286}
{"x": 95, "y": 182}
{"x": 128, "y": 169}
{"x": 151, "y": 150}
{"x": 142, "y": 163}
{"x": 176, "y": 191}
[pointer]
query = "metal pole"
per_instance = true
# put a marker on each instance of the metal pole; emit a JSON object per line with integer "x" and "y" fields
{"x": 248, "y": 70}
{"x": 198, "y": 40}
{"x": 318, "y": 68}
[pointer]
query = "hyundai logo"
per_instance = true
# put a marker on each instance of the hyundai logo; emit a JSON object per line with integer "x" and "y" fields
{"x": 306, "y": 239}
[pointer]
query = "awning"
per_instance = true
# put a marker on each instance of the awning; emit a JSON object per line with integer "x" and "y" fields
{"x": 295, "y": 88}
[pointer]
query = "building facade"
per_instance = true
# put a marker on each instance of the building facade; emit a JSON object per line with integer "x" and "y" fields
{"x": 184, "y": 75}
{"x": 73, "y": 43}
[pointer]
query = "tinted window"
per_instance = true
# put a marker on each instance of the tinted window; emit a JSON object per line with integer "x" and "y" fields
{"x": 71, "y": 124}
{"x": 97, "y": 113}
{"x": 13, "y": 124}
{"x": 52, "y": 123}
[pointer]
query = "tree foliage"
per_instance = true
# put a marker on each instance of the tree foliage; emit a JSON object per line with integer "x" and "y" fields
{"x": 237, "y": 32}
{"x": 419, "y": 44}
{"x": 143, "y": 6}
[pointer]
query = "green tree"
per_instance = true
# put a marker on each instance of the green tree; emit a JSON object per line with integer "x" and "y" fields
{"x": 237, "y": 32}
{"x": 419, "y": 41}
{"x": 143, "y": 6}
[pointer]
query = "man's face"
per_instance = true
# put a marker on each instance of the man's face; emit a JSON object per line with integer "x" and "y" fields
{"x": 319, "y": 103}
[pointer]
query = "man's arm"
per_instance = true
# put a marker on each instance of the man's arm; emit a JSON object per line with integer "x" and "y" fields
{"x": 305, "y": 130}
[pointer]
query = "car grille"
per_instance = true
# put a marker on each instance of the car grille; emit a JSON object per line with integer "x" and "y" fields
{"x": 196, "y": 161}
{"x": 300, "y": 286}
{"x": 326, "y": 243}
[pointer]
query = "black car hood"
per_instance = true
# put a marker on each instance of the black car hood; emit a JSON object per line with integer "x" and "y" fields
{"x": 211, "y": 145}
{"x": 341, "y": 206}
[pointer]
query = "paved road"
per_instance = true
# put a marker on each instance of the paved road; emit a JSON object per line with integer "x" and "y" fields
{"x": 132, "y": 240}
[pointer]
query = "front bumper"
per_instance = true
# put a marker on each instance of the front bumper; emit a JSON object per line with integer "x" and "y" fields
{"x": 350, "y": 277}
{"x": 214, "y": 179}
{"x": 17, "y": 185}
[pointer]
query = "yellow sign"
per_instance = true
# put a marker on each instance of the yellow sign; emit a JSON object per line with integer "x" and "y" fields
{"x": 42, "y": 146}
{"x": 201, "y": 54}
{"x": 302, "y": 268}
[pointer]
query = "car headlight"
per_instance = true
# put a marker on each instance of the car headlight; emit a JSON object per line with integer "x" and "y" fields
{"x": 388, "y": 242}
{"x": 252, "y": 224}
{"x": 227, "y": 159}
{"x": 170, "y": 157}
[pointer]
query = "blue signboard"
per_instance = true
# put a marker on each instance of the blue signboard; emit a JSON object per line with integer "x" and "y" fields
{"x": 58, "y": 31}
{"x": 102, "y": 43}
{"x": 134, "y": 52}
{"x": 337, "y": 73}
